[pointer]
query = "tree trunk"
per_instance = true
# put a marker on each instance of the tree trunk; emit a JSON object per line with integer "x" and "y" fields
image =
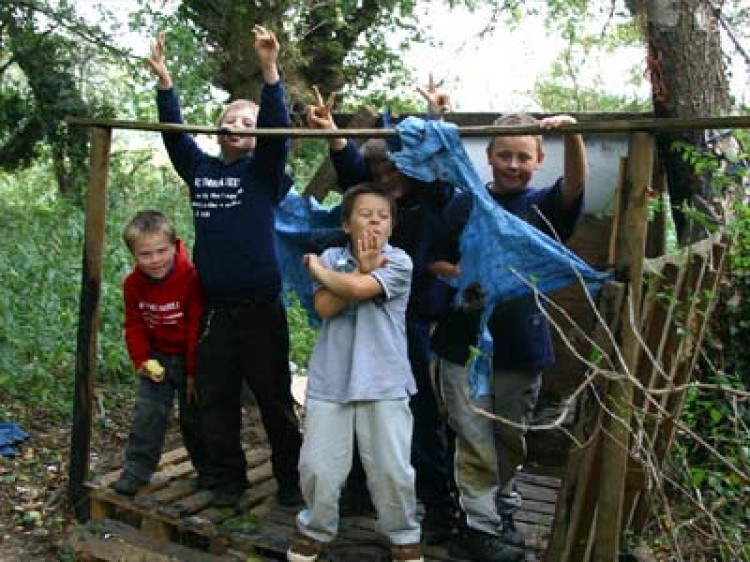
{"x": 688, "y": 79}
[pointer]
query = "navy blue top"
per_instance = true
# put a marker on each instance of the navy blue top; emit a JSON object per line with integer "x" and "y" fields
{"x": 520, "y": 332}
{"x": 233, "y": 204}
{"x": 419, "y": 228}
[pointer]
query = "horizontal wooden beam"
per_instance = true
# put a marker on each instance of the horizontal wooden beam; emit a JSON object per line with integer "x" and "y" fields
{"x": 600, "y": 127}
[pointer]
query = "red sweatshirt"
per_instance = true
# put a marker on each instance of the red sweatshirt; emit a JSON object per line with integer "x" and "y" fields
{"x": 163, "y": 314}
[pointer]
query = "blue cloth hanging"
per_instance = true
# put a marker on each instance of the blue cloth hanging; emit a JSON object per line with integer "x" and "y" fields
{"x": 505, "y": 254}
{"x": 304, "y": 226}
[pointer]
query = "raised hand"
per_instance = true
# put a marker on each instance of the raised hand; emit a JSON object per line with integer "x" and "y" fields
{"x": 266, "y": 46}
{"x": 157, "y": 61}
{"x": 554, "y": 121}
{"x": 437, "y": 102}
{"x": 320, "y": 115}
{"x": 369, "y": 253}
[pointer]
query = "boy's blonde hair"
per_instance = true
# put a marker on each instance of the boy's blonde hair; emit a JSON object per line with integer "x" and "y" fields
{"x": 515, "y": 120}
{"x": 237, "y": 103}
{"x": 148, "y": 222}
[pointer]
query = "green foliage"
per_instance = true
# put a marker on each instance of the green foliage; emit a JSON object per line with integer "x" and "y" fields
{"x": 302, "y": 335}
{"x": 708, "y": 490}
{"x": 40, "y": 275}
{"x": 737, "y": 308}
{"x": 592, "y": 32}
{"x": 40, "y": 272}
{"x": 187, "y": 60}
{"x": 722, "y": 421}
{"x": 551, "y": 95}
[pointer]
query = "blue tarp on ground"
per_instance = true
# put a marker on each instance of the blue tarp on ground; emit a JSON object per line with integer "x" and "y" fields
{"x": 10, "y": 434}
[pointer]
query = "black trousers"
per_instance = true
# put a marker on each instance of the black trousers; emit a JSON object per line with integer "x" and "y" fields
{"x": 153, "y": 408}
{"x": 431, "y": 453}
{"x": 246, "y": 340}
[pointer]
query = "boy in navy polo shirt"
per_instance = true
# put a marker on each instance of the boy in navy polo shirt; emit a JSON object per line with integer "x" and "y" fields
{"x": 522, "y": 347}
{"x": 244, "y": 333}
{"x": 360, "y": 381}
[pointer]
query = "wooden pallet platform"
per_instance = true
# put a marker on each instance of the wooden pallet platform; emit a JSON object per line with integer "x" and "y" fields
{"x": 172, "y": 508}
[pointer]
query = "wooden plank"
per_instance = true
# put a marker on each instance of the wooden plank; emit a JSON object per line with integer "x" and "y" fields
{"x": 187, "y": 505}
{"x": 617, "y": 211}
{"x": 530, "y": 505}
{"x": 174, "y": 491}
{"x": 259, "y": 527}
{"x": 114, "y": 541}
{"x": 537, "y": 494}
{"x": 629, "y": 265}
{"x": 175, "y": 456}
{"x": 535, "y": 517}
{"x": 657, "y": 314}
{"x": 697, "y": 318}
{"x": 606, "y": 126}
{"x": 88, "y": 321}
{"x": 538, "y": 480}
{"x": 576, "y": 501}
{"x": 656, "y": 238}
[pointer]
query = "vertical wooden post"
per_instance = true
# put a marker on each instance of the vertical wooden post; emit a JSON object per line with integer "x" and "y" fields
{"x": 629, "y": 255}
{"x": 88, "y": 321}
{"x": 617, "y": 211}
{"x": 576, "y": 502}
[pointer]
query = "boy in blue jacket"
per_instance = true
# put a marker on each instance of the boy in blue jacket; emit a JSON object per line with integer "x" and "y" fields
{"x": 488, "y": 453}
{"x": 244, "y": 333}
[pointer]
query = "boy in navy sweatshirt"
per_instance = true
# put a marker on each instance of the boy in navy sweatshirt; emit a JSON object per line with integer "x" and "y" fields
{"x": 244, "y": 333}
{"x": 163, "y": 306}
{"x": 488, "y": 454}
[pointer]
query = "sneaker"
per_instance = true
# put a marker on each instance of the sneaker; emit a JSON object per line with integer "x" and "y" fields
{"x": 510, "y": 533}
{"x": 406, "y": 553}
{"x": 127, "y": 485}
{"x": 289, "y": 496}
{"x": 484, "y": 547}
{"x": 304, "y": 549}
{"x": 226, "y": 497}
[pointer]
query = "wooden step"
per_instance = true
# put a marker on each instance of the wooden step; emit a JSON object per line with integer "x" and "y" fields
{"x": 114, "y": 541}
{"x": 172, "y": 508}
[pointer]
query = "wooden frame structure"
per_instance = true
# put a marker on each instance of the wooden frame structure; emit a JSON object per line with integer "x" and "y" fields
{"x": 592, "y": 511}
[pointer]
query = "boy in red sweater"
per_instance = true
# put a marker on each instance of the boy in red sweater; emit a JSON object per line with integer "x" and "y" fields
{"x": 163, "y": 306}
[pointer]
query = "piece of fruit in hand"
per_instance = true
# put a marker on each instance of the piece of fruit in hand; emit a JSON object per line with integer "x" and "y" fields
{"x": 154, "y": 370}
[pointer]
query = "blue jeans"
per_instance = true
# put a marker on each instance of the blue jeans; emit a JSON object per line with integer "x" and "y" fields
{"x": 153, "y": 406}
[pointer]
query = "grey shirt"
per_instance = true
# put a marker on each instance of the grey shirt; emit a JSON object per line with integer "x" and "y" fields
{"x": 360, "y": 354}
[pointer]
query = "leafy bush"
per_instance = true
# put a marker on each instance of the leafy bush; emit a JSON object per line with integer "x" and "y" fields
{"x": 707, "y": 475}
{"x": 40, "y": 272}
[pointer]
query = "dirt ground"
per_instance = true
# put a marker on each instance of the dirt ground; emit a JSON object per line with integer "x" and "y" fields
{"x": 34, "y": 515}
